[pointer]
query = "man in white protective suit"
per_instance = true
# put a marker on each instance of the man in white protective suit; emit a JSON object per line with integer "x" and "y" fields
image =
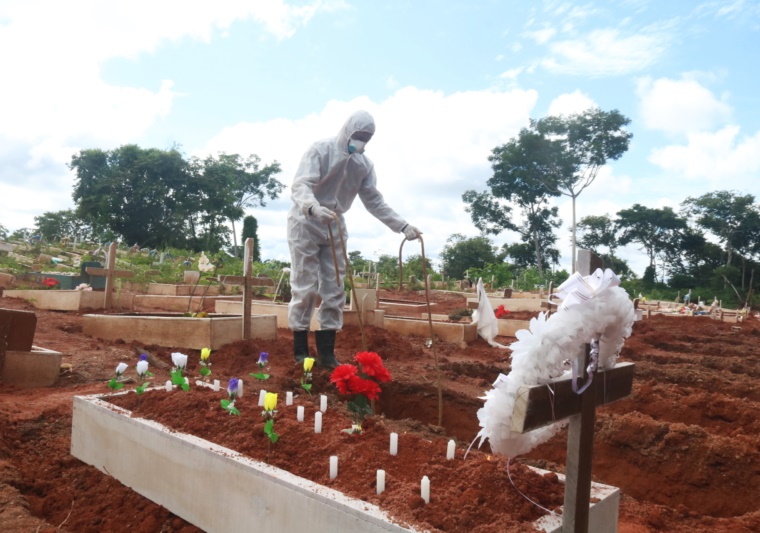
{"x": 331, "y": 174}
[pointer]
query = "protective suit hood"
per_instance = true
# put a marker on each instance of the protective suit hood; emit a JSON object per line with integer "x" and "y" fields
{"x": 358, "y": 121}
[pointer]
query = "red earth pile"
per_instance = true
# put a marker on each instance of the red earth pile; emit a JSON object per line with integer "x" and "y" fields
{"x": 684, "y": 449}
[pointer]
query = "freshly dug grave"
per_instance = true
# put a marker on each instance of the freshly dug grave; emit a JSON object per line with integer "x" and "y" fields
{"x": 683, "y": 449}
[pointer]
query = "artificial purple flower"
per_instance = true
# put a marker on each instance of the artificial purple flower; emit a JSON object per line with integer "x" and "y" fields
{"x": 232, "y": 387}
{"x": 263, "y": 358}
{"x": 143, "y": 357}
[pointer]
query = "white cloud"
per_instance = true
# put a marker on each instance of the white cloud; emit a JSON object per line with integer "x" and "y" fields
{"x": 429, "y": 148}
{"x": 722, "y": 159}
{"x": 570, "y": 103}
{"x": 606, "y": 52}
{"x": 511, "y": 74}
{"x": 680, "y": 106}
{"x": 541, "y": 36}
{"x": 53, "y": 98}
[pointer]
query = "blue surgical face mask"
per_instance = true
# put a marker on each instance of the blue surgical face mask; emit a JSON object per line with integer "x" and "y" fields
{"x": 356, "y": 146}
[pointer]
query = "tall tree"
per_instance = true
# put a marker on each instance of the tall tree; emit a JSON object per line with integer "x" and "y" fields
{"x": 518, "y": 170}
{"x": 656, "y": 230}
{"x": 581, "y": 145}
{"x": 734, "y": 219}
{"x": 140, "y": 194}
{"x": 597, "y": 232}
{"x": 245, "y": 183}
{"x": 54, "y": 225}
{"x": 251, "y": 229}
{"x": 460, "y": 254}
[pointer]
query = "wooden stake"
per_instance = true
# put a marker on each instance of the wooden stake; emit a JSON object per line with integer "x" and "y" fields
{"x": 247, "y": 260}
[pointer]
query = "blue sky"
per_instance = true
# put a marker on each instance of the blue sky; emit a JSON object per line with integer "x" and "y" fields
{"x": 447, "y": 82}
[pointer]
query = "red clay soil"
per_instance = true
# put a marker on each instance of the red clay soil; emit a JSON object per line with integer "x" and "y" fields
{"x": 684, "y": 449}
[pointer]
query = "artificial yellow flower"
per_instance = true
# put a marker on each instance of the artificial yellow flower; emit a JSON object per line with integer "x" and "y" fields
{"x": 307, "y": 364}
{"x": 270, "y": 401}
{"x": 205, "y": 354}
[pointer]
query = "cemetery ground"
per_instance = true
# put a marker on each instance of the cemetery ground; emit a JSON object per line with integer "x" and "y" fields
{"x": 684, "y": 448}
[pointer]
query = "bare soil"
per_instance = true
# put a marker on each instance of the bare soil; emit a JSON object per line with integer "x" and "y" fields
{"x": 684, "y": 449}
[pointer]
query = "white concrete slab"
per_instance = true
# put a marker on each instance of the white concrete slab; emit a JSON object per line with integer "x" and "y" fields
{"x": 249, "y": 492}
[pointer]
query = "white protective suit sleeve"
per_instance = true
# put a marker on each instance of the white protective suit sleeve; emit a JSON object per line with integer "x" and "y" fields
{"x": 330, "y": 176}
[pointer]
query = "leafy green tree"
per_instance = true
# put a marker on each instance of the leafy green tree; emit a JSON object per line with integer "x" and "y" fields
{"x": 619, "y": 266}
{"x": 581, "y": 144}
{"x": 387, "y": 267}
{"x": 144, "y": 196}
{"x": 238, "y": 183}
{"x": 518, "y": 170}
{"x": 734, "y": 219}
{"x": 20, "y": 234}
{"x": 656, "y": 230}
{"x": 3, "y": 232}
{"x": 250, "y": 230}
{"x": 413, "y": 267}
{"x": 357, "y": 262}
{"x": 54, "y": 225}
{"x": 460, "y": 254}
{"x": 597, "y": 232}
{"x": 155, "y": 198}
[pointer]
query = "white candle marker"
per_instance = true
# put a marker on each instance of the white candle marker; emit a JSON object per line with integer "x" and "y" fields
{"x": 299, "y": 413}
{"x": 425, "y": 489}
{"x": 450, "y": 449}
{"x": 322, "y": 403}
{"x": 333, "y": 466}
{"x": 217, "y": 385}
{"x": 168, "y": 385}
{"x": 240, "y": 388}
{"x": 394, "y": 443}
{"x": 318, "y": 422}
{"x": 380, "y": 481}
{"x": 262, "y": 395}
{"x": 289, "y": 398}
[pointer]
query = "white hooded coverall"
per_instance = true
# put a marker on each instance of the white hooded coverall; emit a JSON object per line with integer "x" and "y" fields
{"x": 330, "y": 176}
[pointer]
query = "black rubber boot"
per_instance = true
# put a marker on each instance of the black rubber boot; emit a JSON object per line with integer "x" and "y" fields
{"x": 326, "y": 349}
{"x": 300, "y": 345}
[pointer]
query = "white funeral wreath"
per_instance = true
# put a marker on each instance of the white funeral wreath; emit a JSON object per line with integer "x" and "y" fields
{"x": 592, "y": 308}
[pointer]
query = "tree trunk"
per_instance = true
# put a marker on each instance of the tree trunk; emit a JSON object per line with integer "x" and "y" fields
{"x": 234, "y": 239}
{"x": 539, "y": 263}
{"x": 573, "y": 236}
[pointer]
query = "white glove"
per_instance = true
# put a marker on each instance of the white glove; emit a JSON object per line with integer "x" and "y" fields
{"x": 322, "y": 214}
{"x": 410, "y": 232}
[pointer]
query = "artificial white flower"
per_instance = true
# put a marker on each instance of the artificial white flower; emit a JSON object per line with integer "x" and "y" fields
{"x": 204, "y": 265}
{"x": 593, "y": 307}
{"x": 142, "y": 368}
{"x": 179, "y": 360}
{"x": 120, "y": 368}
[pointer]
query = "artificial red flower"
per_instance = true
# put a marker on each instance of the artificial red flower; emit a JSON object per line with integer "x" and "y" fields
{"x": 341, "y": 377}
{"x": 373, "y": 366}
{"x": 366, "y": 387}
{"x": 50, "y": 282}
{"x": 500, "y": 311}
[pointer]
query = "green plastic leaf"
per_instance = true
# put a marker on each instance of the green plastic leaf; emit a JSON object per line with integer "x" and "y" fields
{"x": 205, "y": 371}
{"x": 259, "y": 375}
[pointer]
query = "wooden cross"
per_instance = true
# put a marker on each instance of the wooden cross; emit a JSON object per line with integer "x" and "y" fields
{"x": 540, "y": 405}
{"x": 110, "y": 273}
{"x": 247, "y": 260}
